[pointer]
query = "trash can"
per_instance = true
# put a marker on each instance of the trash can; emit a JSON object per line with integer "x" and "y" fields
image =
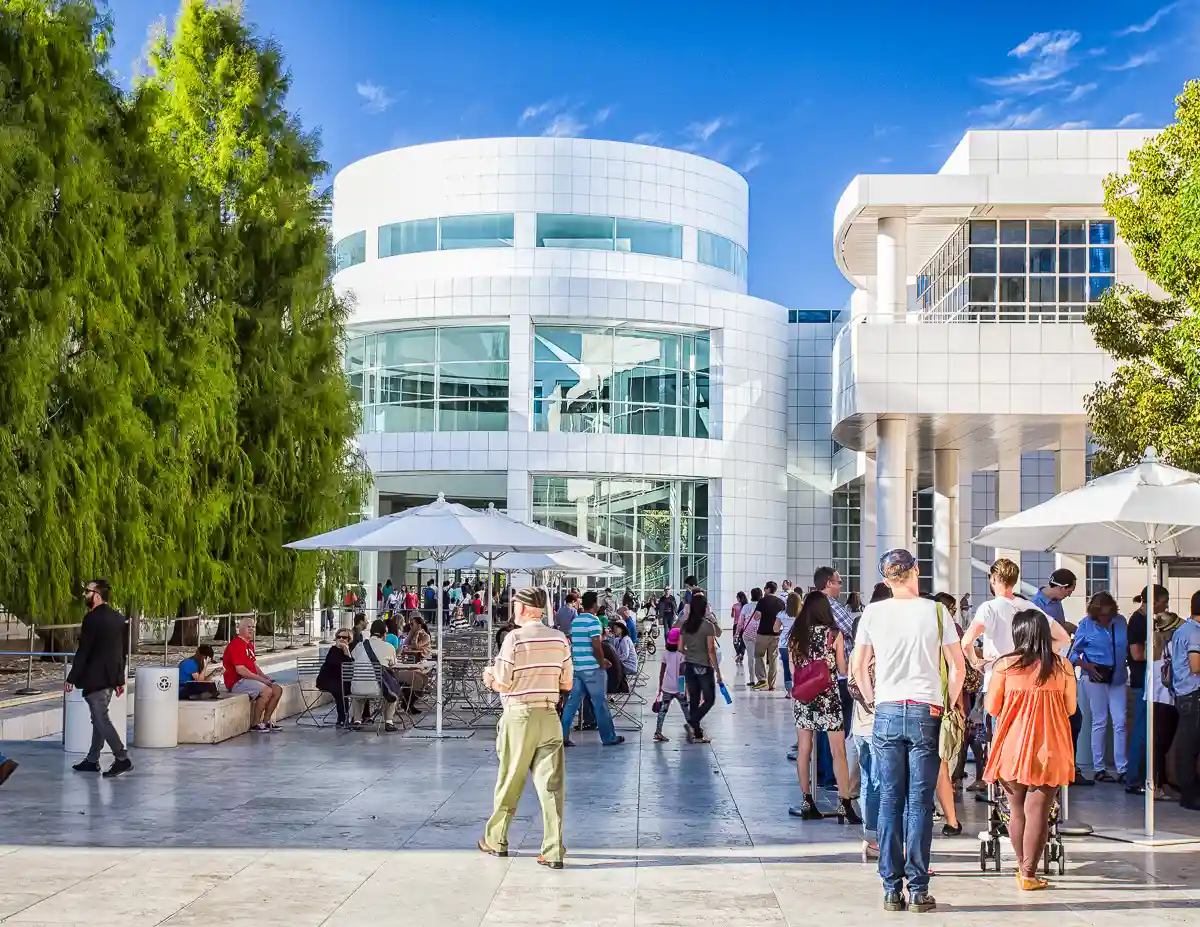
{"x": 156, "y": 707}
{"x": 77, "y": 719}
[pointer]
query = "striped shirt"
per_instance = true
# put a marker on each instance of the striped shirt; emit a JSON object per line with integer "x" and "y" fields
{"x": 533, "y": 665}
{"x": 583, "y": 629}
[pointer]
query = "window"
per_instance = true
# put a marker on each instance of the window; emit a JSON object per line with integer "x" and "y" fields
{"x": 847, "y": 528}
{"x": 642, "y": 237}
{"x": 621, "y": 381}
{"x": 658, "y": 529}
{"x": 431, "y": 379}
{"x": 1018, "y": 270}
{"x": 349, "y": 251}
{"x": 446, "y": 234}
{"x": 486, "y": 231}
{"x": 922, "y": 521}
{"x": 1098, "y": 569}
{"x": 602, "y": 233}
{"x": 718, "y": 251}
{"x": 813, "y": 315}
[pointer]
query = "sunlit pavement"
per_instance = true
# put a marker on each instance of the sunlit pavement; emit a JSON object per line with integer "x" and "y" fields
{"x": 310, "y": 827}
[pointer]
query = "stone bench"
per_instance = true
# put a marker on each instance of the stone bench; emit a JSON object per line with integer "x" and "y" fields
{"x": 211, "y": 721}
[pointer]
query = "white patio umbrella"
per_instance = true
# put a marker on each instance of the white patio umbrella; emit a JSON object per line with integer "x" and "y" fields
{"x": 443, "y": 529}
{"x": 570, "y": 562}
{"x": 1148, "y": 510}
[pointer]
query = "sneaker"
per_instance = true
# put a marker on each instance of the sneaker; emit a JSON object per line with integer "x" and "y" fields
{"x": 86, "y": 766}
{"x": 948, "y": 831}
{"x": 273, "y": 727}
{"x": 491, "y": 851}
{"x": 613, "y": 743}
{"x": 118, "y": 767}
{"x": 568, "y": 742}
{"x": 894, "y": 901}
{"x": 1135, "y": 790}
{"x": 793, "y": 755}
{"x": 661, "y": 738}
{"x": 260, "y": 729}
{"x": 922, "y": 902}
{"x": 390, "y": 728}
{"x": 7, "y": 768}
{"x": 549, "y": 863}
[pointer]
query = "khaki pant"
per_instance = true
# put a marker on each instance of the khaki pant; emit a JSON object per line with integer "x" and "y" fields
{"x": 766, "y": 659}
{"x": 751, "y": 641}
{"x": 529, "y": 739}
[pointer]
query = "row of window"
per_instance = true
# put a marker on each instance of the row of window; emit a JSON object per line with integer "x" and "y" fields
{"x": 1018, "y": 270}
{"x": 496, "y": 230}
{"x": 605, "y": 380}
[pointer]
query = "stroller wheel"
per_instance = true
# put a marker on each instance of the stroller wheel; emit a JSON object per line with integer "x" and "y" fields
{"x": 650, "y": 648}
{"x": 996, "y": 855}
{"x": 1062, "y": 859}
{"x": 1046, "y": 860}
{"x": 983, "y": 856}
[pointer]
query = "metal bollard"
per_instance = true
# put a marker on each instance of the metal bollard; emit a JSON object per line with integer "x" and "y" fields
{"x": 29, "y": 689}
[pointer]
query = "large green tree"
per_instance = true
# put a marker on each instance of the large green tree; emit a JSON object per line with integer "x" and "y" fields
{"x": 218, "y": 94}
{"x": 1153, "y": 397}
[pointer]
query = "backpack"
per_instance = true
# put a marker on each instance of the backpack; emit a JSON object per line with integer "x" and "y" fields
{"x": 1167, "y": 673}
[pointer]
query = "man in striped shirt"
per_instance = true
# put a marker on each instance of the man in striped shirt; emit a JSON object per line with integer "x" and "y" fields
{"x": 591, "y": 680}
{"x": 532, "y": 668}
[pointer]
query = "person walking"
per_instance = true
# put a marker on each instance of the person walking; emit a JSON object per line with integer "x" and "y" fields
{"x": 901, "y": 635}
{"x": 665, "y": 609}
{"x": 590, "y": 676}
{"x": 750, "y": 634}
{"x": 98, "y": 672}
{"x": 766, "y": 637}
{"x": 814, "y": 638}
{"x": 792, "y": 600}
{"x": 1183, "y": 679}
{"x": 670, "y": 683}
{"x": 1033, "y": 696}
{"x": 701, "y": 668}
{"x": 1100, "y": 650}
{"x": 531, "y": 671}
{"x": 739, "y": 628}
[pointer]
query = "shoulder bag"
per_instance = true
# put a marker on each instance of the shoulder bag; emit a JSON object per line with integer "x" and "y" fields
{"x": 953, "y": 732}
{"x": 811, "y": 679}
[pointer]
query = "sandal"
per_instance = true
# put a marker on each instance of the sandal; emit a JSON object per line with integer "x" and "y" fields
{"x": 1027, "y": 884}
{"x": 661, "y": 738}
{"x": 1104, "y": 776}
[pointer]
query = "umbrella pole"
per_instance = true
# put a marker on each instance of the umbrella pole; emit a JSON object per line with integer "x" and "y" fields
{"x": 441, "y": 642}
{"x": 1148, "y": 690}
{"x": 487, "y": 609}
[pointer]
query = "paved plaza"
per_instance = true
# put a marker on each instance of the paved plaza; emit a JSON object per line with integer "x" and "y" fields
{"x": 307, "y": 828}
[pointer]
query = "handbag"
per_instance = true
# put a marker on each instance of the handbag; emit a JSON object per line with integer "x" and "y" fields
{"x": 810, "y": 680}
{"x": 389, "y": 686}
{"x": 954, "y": 727}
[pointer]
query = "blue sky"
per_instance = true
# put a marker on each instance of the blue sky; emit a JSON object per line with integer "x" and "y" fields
{"x": 799, "y": 96}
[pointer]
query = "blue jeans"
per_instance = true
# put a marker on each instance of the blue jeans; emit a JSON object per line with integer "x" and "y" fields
{"x": 787, "y": 668}
{"x": 870, "y": 790}
{"x": 1135, "y": 773}
{"x": 593, "y": 683}
{"x": 904, "y": 753}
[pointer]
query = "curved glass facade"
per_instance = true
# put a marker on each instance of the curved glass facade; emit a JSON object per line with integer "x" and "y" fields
{"x": 448, "y": 233}
{"x": 607, "y": 233}
{"x": 658, "y": 528}
{"x": 621, "y": 381}
{"x": 431, "y": 379}
{"x": 349, "y": 251}
{"x": 718, "y": 251}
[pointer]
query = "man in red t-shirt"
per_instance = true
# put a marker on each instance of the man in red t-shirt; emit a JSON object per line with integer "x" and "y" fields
{"x": 242, "y": 677}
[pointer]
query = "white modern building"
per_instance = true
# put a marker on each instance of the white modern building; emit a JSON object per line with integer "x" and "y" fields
{"x": 562, "y": 327}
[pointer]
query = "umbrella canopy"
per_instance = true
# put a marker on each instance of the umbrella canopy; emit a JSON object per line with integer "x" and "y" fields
{"x": 441, "y": 527}
{"x": 1149, "y": 510}
{"x": 570, "y": 562}
{"x": 463, "y": 560}
{"x": 574, "y": 543}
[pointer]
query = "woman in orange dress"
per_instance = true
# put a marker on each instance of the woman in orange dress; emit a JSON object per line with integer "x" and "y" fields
{"x": 1033, "y": 694}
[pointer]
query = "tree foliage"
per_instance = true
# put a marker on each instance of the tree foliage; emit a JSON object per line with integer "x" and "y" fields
{"x": 172, "y": 406}
{"x": 1153, "y": 397}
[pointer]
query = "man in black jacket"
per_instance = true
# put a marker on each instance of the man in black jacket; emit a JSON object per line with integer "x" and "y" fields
{"x": 98, "y": 671}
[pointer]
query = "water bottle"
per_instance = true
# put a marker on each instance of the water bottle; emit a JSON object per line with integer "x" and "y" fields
{"x": 725, "y": 694}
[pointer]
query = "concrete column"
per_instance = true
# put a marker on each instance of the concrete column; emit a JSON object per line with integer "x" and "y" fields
{"x": 1008, "y": 495}
{"x": 891, "y": 485}
{"x": 368, "y": 562}
{"x": 867, "y": 557}
{"x": 891, "y": 269}
{"x": 520, "y": 370}
{"x": 946, "y": 522}
{"x": 910, "y": 525}
{"x": 1070, "y": 472}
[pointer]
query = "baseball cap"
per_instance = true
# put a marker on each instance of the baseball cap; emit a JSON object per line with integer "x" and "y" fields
{"x": 1062, "y": 578}
{"x": 673, "y": 637}
{"x": 533, "y": 596}
{"x": 896, "y": 562}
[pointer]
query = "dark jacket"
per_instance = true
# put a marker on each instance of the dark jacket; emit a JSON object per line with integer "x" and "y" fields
{"x": 99, "y": 661}
{"x": 329, "y": 679}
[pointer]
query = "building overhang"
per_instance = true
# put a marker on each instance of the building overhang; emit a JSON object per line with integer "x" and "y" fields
{"x": 936, "y": 204}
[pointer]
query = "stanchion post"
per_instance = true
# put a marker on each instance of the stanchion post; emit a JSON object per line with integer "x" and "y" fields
{"x": 29, "y": 689}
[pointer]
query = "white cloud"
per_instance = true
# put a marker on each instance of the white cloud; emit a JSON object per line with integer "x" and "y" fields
{"x": 602, "y": 114}
{"x": 1136, "y": 61}
{"x": 538, "y": 109}
{"x": 991, "y": 110}
{"x": 647, "y": 138}
{"x": 752, "y": 159}
{"x": 1021, "y": 119}
{"x": 1139, "y": 28}
{"x": 1128, "y": 120}
{"x": 564, "y": 125}
{"x": 703, "y": 131}
{"x": 1076, "y": 124}
{"x": 885, "y": 160}
{"x": 1048, "y": 54}
{"x": 375, "y": 97}
{"x": 1079, "y": 91}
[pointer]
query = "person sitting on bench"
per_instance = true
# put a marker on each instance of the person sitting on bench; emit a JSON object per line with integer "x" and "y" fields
{"x": 195, "y": 673}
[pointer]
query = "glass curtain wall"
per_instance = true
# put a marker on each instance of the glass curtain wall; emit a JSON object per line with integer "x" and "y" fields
{"x": 607, "y": 233}
{"x": 718, "y": 251}
{"x": 658, "y": 528}
{"x": 847, "y": 535}
{"x": 349, "y": 251}
{"x": 621, "y": 381}
{"x": 449, "y": 233}
{"x": 431, "y": 379}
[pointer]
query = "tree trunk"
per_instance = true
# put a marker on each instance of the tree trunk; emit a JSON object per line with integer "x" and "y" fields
{"x": 185, "y": 633}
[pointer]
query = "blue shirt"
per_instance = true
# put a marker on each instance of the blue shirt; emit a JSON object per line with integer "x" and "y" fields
{"x": 585, "y": 627}
{"x": 1102, "y": 646}
{"x": 1186, "y": 640}
{"x": 1052, "y": 607}
{"x": 187, "y": 668}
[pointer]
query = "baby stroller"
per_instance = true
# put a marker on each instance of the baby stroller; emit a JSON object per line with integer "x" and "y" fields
{"x": 997, "y": 827}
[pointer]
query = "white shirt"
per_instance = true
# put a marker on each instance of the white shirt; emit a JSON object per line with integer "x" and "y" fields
{"x": 904, "y": 633}
{"x": 1162, "y": 694}
{"x": 363, "y": 682}
{"x": 996, "y": 616}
